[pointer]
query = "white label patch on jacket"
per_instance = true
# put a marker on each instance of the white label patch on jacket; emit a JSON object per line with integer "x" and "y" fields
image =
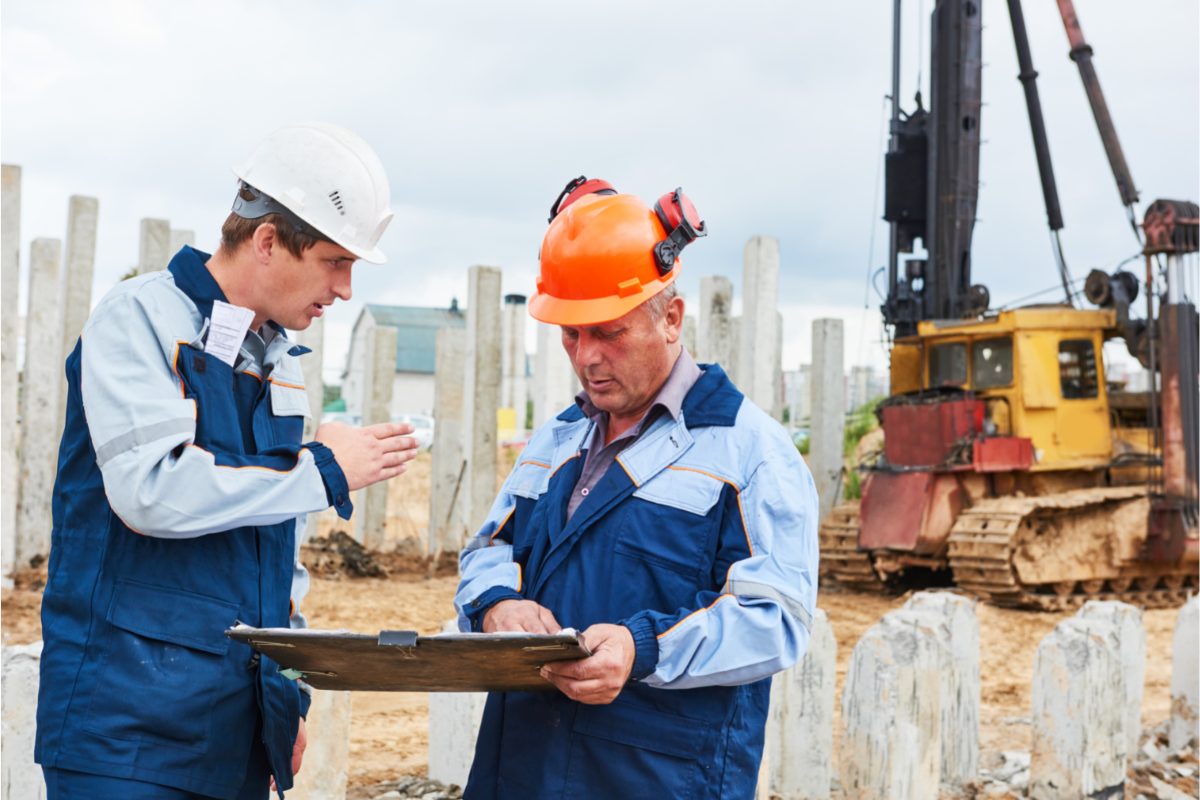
{"x": 289, "y": 401}
{"x": 685, "y": 489}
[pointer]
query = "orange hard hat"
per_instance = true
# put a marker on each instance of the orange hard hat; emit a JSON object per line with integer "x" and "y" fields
{"x": 607, "y": 253}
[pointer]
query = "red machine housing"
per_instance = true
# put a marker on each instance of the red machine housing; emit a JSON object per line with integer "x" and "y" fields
{"x": 911, "y": 505}
{"x": 926, "y": 434}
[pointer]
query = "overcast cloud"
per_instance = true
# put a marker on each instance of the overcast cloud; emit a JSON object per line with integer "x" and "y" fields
{"x": 769, "y": 114}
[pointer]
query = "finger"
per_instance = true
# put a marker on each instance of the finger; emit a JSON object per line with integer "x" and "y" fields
{"x": 510, "y": 623}
{"x": 393, "y": 443}
{"x": 387, "y": 430}
{"x": 388, "y": 473}
{"x": 396, "y": 459}
{"x": 588, "y": 691}
{"x": 567, "y": 670}
{"x": 564, "y": 685}
{"x": 581, "y": 669}
{"x": 548, "y": 621}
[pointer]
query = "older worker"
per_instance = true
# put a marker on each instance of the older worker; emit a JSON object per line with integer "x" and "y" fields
{"x": 663, "y": 514}
{"x": 183, "y": 484}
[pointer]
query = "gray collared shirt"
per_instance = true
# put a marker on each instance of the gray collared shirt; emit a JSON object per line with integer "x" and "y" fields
{"x": 600, "y": 457}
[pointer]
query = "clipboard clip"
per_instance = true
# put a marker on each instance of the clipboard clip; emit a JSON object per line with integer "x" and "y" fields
{"x": 397, "y": 638}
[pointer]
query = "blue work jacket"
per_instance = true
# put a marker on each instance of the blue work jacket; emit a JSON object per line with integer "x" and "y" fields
{"x": 175, "y": 512}
{"x": 701, "y": 539}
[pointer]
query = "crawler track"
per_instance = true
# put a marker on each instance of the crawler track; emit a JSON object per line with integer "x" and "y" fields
{"x": 840, "y": 556}
{"x": 986, "y": 536}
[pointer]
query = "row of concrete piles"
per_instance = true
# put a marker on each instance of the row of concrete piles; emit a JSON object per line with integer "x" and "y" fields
{"x": 59, "y": 301}
{"x": 910, "y": 711}
{"x": 474, "y": 376}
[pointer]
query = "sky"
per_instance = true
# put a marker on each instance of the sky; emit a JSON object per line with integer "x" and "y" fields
{"x": 770, "y": 115}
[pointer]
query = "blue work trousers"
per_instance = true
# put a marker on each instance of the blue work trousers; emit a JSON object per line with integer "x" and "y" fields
{"x": 65, "y": 784}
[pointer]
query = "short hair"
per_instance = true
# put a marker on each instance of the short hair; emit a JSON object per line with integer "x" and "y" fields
{"x": 237, "y": 230}
{"x": 656, "y": 306}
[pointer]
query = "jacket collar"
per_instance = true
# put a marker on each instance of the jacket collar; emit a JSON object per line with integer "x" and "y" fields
{"x": 193, "y": 279}
{"x": 712, "y": 401}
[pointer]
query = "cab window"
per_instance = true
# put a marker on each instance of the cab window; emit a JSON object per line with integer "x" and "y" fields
{"x": 991, "y": 363}
{"x": 948, "y": 364}
{"x": 1077, "y": 369}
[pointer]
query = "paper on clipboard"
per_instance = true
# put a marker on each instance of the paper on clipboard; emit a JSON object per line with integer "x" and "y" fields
{"x": 402, "y": 661}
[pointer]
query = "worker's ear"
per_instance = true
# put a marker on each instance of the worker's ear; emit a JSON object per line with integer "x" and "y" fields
{"x": 264, "y": 242}
{"x": 674, "y": 319}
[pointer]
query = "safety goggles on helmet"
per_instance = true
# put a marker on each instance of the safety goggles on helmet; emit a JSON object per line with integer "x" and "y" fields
{"x": 250, "y": 203}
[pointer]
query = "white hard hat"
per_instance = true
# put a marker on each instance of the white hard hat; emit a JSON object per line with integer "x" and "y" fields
{"x": 327, "y": 177}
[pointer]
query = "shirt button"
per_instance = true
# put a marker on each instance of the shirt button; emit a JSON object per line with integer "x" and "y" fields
{"x": 339, "y": 501}
{"x": 476, "y": 604}
{"x": 583, "y": 492}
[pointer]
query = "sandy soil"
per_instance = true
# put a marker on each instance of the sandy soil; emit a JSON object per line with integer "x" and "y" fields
{"x": 389, "y": 731}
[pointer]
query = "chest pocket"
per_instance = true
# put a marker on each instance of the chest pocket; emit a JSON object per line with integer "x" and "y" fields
{"x": 671, "y": 521}
{"x": 530, "y": 479}
{"x": 289, "y": 399}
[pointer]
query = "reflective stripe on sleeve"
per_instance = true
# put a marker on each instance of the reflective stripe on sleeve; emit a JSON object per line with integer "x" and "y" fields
{"x": 143, "y": 435}
{"x": 478, "y": 543}
{"x": 793, "y": 607}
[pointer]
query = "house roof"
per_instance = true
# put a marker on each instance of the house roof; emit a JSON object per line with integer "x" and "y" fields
{"x": 416, "y": 332}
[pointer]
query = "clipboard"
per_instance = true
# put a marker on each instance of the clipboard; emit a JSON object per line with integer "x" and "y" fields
{"x": 402, "y": 661}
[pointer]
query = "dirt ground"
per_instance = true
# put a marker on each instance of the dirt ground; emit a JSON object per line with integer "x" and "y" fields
{"x": 389, "y": 731}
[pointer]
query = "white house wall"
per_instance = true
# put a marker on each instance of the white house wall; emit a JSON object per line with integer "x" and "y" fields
{"x": 412, "y": 393}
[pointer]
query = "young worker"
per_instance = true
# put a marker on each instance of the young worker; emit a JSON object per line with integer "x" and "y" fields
{"x": 183, "y": 487}
{"x": 664, "y": 515}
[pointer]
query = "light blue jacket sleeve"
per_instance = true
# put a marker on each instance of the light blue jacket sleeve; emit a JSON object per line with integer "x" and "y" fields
{"x": 143, "y": 430}
{"x": 486, "y": 564}
{"x": 488, "y": 571}
{"x": 759, "y": 623}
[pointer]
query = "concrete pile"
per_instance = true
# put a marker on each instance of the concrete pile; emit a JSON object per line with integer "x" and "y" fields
{"x": 1079, "y": 712}
{"x": 59, "y": 296}
{"x": 911, "y": 702}
{"x": 379, "y": 369}
{"x": 1185, "y": 678}
{"x": 325, "y": 772}
{"x": 799, "y": 750}
{"x": 20, "y": 778}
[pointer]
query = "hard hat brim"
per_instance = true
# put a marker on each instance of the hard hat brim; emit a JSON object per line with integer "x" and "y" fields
{"x": 557, "y": 311}
{"x": 372, "y": 256}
